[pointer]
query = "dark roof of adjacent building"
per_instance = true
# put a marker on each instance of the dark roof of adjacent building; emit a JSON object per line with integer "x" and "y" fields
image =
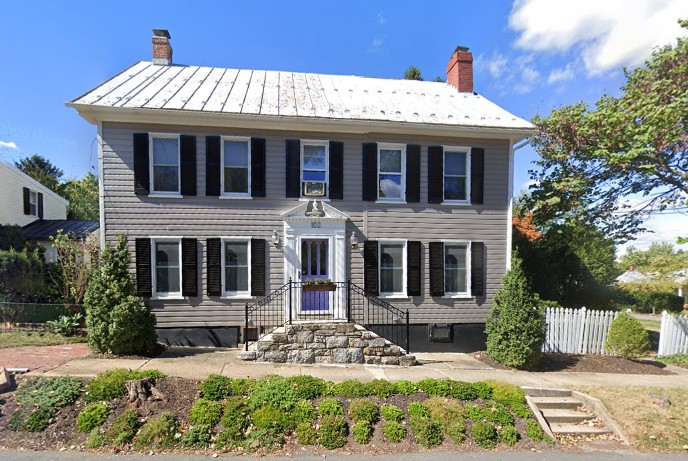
{"x": 43, "y": 229}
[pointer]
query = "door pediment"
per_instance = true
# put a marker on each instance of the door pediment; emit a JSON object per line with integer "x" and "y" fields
{"x": 314, "y": 210}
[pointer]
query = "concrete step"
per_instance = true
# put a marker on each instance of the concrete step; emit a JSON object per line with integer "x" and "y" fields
{"x": 556, "y": 415}
{"x": 577, "y": 429}
{"x": 539, "y": 392}
{"x": 569, "y": 403}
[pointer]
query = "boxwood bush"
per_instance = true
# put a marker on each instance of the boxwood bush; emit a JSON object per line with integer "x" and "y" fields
{"x": 306, "y": 434}
{"x": 484, "y": 434}
{"x": 392, "y": 413}
{"x": 94, "y": 415}
{"x": 331, "y": 407}
{"x": 206, "y": 412}
{"x": 123, "y": 429}
{"x": 332, "y": 432}
{"x": 216, "y": 387}
{"x": 627, "y": 337}
{"x": 394, "y": 431}
{"x": 158, "y": 433}
{"x": 363, "y": 432}
{"x": 364, "y": 410}
{"x": 273, "y": 390}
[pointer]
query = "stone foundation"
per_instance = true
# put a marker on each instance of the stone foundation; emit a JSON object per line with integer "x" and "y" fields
{"x": 327, "y": 343}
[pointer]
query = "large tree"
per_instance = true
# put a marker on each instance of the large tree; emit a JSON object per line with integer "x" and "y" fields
{"x": 412, "y": 73}
{"x": 635, "y": 144}
{"x": 43, "y": 171}
{"x": 83, "y": 197}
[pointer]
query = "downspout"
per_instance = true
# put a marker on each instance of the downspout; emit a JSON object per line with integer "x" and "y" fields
{"x": 101, "y": 186}
{"x": 509, "y": 226}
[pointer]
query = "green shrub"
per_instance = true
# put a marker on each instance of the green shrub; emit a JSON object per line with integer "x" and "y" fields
{"x": 93, "y": 416}
{"x": 498, "y": 414}
{"x": 331, "y": 407}
{"x": 655, "y": 301}
{"x": 418, "y": 410}
{"x": 508, "y": 394}
{"x": 427, "y": 431}
{"x": 275, "y": 391}
{"x": 364, "y": 410}
{"x": 534, "y": 431}
{"x": 392, "y": 413}
{"x": 351, "y": 389}
{"x": 304, "y": 412}
{"x": 66, "y": 325}
{"x": 306, "y": 434}
{"x": 332, "y": 432}
{"x": 118, "y": 321}
{"x": 521, "y": 410}
{"x": 483, "y": 390}
{"x": 515, "y": 328}
{"x": 18, "y": 419}
{"x": 394, "y": 431}
{"x": 39, "y": 419}
{"x": 436, "y": 387}
{"x": 110, "y": 384}
{"x": 273, "y": 419}
{"x": 206, "y": 412}
{"x": 444, "y": 410}
{"x": 123, "y": 428}
{"x": 157, "y": 433}
{"x": 362, "y": 432}
{"x": 405, "y": 387}
{"x": 307, "y": 387}
{"x": 198, "y": 436}
{"x": 216, "y": 387}
{"x": 456, "y": 430}
{"x": 476, "y": 413}
{"x": 235, "y": 419}
{"x": 463, "y": 391}
{"x": 49, "y": 392}
{"x": 484, "y": 434}
{"x": 261, "y": 438}
{"x": 509, "y": 435}
{"x": 243, "y": 386}
{"x": 627, "y": 337}
{"x": 381, "y": 388}
{"x": 95, "y": 440}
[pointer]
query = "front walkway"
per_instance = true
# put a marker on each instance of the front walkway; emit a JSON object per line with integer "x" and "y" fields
{"x": 40, "y": 359}
{"x": 198, "y": 363}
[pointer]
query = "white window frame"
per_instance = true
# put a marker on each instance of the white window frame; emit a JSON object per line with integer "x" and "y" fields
{"x": 319, "y": 143}
{"x": 154, "y": 269}
{"x": 402, "y": 148}
{"x": 457, "y": 149}
{"x": 458, "y": 294}
{"x": 404, "y": 267}
{"x": 236, "y": 294}
{"x": 151, "y": 165}
{"x": 33, "y": 201}
{"x": 236, "y": 195}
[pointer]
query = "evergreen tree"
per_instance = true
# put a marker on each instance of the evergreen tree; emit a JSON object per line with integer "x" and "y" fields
{"x": 412, "y": 73}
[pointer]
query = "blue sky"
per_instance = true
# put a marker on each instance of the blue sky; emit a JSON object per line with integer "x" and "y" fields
{"x": 530, "y": 55}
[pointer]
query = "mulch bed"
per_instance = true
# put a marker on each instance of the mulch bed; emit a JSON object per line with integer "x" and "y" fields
{"x": 588, "y": 364}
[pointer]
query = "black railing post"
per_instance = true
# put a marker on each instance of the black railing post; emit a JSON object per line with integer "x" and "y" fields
{"x": 408, "y": 330}
{"x": 246, "y": 327}
{"x": 348, "y": 300}
{"x": 289, "y": 301}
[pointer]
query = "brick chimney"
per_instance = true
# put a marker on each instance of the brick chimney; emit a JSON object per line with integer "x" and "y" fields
{"x": 162, "y": 50}
{"x": 460, "y": 70}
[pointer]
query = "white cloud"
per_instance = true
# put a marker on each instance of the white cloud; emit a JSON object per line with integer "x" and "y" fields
{"x": 381, "y": 18}
{"x": 562, "y": 74}
{"x": 7, "y": 145}
{"x": 605, "y": 34}
{"x": 514, "y": 75}
{"x": 376, "y": 44}
{"x": 495, "y": 65}
{"x": 661, "y": 227}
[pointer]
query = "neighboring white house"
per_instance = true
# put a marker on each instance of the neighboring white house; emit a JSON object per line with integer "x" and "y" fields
{"x": 24, "y": 200}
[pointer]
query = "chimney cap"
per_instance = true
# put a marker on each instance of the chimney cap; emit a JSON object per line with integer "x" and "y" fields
{"x": 461, "y": 48}
{"x": 161, "y": 33}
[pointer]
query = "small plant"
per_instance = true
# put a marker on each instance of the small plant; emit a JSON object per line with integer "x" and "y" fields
{"x": 627, "y": 337}
{"x": 392, "y": 413}
{"x": 363, "y": 432}
{"x": 464, "y": 391}
{"x": 333, "y": 432}
{"x": 418, "y": 410}
{"x": 351, "y": 389}
{"x": 427, "y": 431}
{"x": 394, "y": 431}
{"x": 110, "y": 384}
{"x": 364, "y": 410}
{"x": 276, "y": 391}
{"x": 216, "y": 387}
{"x": 66, "y": 325}
{"x": 39, "y": 419}
{"x": 157, "y": 433}
{"x": 93, "y": 416}
{"x": 273, "y": 419}
{"x": 18, "y": 419}
{"x": 198, "y": 436}
{"x": 381, "y": 388}
{"x": 476, "y": 413}
{"x": 95, "y": 440}
{"x": 205, "y": 412}
{"x": 235, "y": 420}
{"x": 405, "y": 387}
{"x": 436, "y": 387}
{"x": 444, "y": 410}
{"x": 331, "y": 407}
{"x": 509, "y": 435}
{"x": 319, "y": 281}
{"x": 534, "y": 431}
{"x": 307, "y": 387}
{"x": 243, "y": 386}
{"x": 456, "y": 430}
{"x": 508, "y": 394}
{"x": 49, "y": 392}
{"x": 123, "y": 429}
{"x": 304, "y": 412}
{"x": 261, "y": 438}
{"x": 483, "y": 390}
{"x": 484, "y": 434}
{"x": 498, "y": 414}
{"x": 306, "y": 434}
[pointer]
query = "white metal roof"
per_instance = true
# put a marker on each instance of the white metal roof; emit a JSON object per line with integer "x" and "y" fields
{"x": 292, "y": 94}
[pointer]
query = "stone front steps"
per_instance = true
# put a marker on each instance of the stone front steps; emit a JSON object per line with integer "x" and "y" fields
{"x": 326, "y": 343}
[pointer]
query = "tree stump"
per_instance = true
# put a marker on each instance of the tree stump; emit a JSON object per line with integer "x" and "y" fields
{"x": 142, "y": 390}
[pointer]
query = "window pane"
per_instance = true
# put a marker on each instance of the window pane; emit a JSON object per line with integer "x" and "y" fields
{"x": 314, "y": 258}
{"x": 313, "y": 175}
{"x": 455, "y": 269}
{"x": 390, "y": 161}
{"x": 390, "y": 186}
{"x": 391, "y": 280}
{"x": 167, "y": 267}
{"x": 454, "y": 188}
{"x": 455, "y": 163}
{"x": 304, "y": 257}
{"x": 314, "y": 157}
{"x": 165, "y": 179}
{"x": 165, "y": 151}
{"x": 236, "y": 266}
{"x": 236, "y": 279}
{"x": 236, "y": 180}
{"x": 236, "y": 253}
{"x": 391, "y": 255}
{"x": 323, "y": 257}
{"x": 236, "y": 153}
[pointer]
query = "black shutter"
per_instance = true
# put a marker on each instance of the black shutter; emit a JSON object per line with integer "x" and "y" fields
{"x": 413, "y": 173}
{"x": 477, "y": 268}
{"x": 27, "y": 200}
{"x": 413, "y": 271}
{"x": 39, "y": 205}
{"x": 435, "y": 174}
{"x": 213, "y": 151}
{"x": 436, "y": 268}
{"x": 187, "y": 149}
{"x": 370, "y": 186}
{"x": 258, "y": 267}
{"x": 189, "y": 267}
{"x": 141, "y": 165}
{"x": 213, "y": 248}
{"x": 293, "y": 168}
{"x": 336, "y": 170}
{"x": 370, "y": 267}
{"x": 144, "y": 281}
{"x": 477, "y": 175}
{"x": 257, "y": 167}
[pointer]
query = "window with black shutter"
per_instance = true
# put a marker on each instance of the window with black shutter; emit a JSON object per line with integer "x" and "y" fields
{"x": 436, "y": 250}
{"x": 370, "y": 172}
{"x": 336, "y": 186}
{"x": 213, "y": 170}
{"x": 27, "y": 200}
{"x": 413, "y": 272}
{"x": 477, "y": 175}
{"x": 477, "y": 269}
{"x": 213, "y": 250}
{"x": 293, "y": 168}
{"x": 435, "y": 174}
{"x": 144, "y": 280}
{"x": 141, "y": 164}
{"x": 189, "y": 267}
{"x": 39, "y": 205}
{"x": 257, "y": 167}
{"x": 188, "y": 164}
{"x": 370, "y": 267}
{"x": 412, "y": 173}
{"x": 258, "y": 275}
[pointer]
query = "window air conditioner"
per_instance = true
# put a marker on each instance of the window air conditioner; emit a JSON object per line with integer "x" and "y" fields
{"x": 313, "y": 189}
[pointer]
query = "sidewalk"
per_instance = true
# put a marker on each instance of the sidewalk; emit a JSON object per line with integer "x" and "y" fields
{"x": 198, "y": 363}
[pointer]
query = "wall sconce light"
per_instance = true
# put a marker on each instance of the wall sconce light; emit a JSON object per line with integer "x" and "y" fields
{"x": 275, "y": 239}
{"x": 354, "y": 240}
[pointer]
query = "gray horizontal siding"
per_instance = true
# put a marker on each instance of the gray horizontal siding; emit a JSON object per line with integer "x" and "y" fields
{"x": 203, "y": 217}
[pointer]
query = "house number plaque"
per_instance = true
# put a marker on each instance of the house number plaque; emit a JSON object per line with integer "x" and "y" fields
{"x": 315, "y": 225}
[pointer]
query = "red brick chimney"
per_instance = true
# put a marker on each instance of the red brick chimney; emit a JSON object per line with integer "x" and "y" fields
{"x": 460, "y": 70}
{"x": 162, "y": 50}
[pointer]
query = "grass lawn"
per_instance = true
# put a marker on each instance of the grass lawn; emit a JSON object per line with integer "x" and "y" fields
{"x": 652, "y": 418}
{"x": 652, "y": 325}
{"x": 33, "y": 338}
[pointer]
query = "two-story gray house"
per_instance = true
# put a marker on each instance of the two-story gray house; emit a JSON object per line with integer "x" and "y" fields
{"x": 232, "y": 183}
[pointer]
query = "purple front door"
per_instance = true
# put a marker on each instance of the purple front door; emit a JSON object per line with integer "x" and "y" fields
{"x": 314, "y": 264}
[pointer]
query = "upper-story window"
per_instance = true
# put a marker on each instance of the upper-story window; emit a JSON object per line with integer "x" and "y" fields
{"x": 314, "y": 168}
{"x": 391, "y": 172}
{"x": 33, "y": 203}
{"x": 236, "y": 167}
{"x": 456, "y": 178}
{"x": 165, "y": 159}
{"x": 167, "y": 268}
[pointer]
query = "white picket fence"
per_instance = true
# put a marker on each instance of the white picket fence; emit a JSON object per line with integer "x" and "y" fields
{"x": 673, "y": 334}
{"x": 577, "y": 331}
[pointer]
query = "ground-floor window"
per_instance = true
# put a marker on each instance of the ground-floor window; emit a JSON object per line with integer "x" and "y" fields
{"x": 236, "y": 267}
{"x": 455, "y": 269}
{"x": 167, "y": 268}
{"x": 392, "y": 268}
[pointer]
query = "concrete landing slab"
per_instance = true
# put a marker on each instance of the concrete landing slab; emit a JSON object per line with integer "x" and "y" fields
{"x": 455, "y": 361}
{"x": 88, "y": 368}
